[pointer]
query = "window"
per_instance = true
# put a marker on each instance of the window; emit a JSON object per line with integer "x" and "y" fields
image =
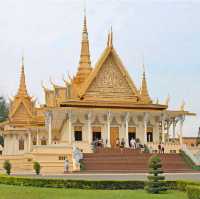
{"x": 149, "y": 137}
{"x": 43, "y": 141}
{"x": 96, "y": 136}
{"x": 34, "y": 140}
{"x": 78, "y": 135}
{"x": 21, "y": 144}
{"x": 130, "y": 136}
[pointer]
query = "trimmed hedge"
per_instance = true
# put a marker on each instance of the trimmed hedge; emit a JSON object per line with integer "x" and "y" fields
{"x": 62, "y": 183}
{"x": 182, "y": 185}
{"x": 86, "y": 184}
{"x": 193, "y": 192}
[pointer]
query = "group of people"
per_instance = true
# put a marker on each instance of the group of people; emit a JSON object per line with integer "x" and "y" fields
{"x": 161, "y": 148}
{"x": 121, "y": 143}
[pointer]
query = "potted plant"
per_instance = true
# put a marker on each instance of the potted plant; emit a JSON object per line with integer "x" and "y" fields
{"x": 7, "y": 166}
{"x": 36, "y": 167}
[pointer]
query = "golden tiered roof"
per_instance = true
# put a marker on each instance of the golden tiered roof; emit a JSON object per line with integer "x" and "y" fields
{"x": 22, "y": 107}
{"x": 84, "y": 68}
{"x": 108, "y": 83}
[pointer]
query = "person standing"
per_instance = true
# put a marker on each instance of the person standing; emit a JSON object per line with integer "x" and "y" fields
{"x": 66, "y": 165}
{"x": 132, "y": 143}
{"x": 117, "y": 142}
{"x": 159, "y": 148}
{"x": 162, "y": 148}
{"x": 122, "y": 143}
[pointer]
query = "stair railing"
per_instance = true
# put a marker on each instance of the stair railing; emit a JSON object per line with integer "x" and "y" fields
{"x": 194, "y": 158}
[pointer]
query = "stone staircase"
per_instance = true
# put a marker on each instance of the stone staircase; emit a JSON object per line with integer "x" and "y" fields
{"x": 130, "y": 160}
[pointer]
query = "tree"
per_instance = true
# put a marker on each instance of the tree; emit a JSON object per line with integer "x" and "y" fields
{"x": 7, "y": 166}
{"x": 36, "y": 167}
{"x": 155, "y": 182}
{"x": 3, "y": 115}
{"x": 3, "y": 109}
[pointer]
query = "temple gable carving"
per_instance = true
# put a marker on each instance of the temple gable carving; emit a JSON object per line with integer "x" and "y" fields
{"x": 110, "y": 82}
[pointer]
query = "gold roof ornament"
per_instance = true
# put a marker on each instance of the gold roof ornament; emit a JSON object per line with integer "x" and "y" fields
{"x": 109, "y": 54}
{"x": 182, "y": 107}
{"x": 22, "y": 91}
{"x": 22, "y": 102}
{"x": 144, "y": 89}
{"x": 167, "y": 100}
{"x": 84, "y": 68}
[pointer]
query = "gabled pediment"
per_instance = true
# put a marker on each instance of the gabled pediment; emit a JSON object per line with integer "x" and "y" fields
{"x": 21, "y": 113}
{"x": 109, "y": 80}
{"x": 20, "y": 108}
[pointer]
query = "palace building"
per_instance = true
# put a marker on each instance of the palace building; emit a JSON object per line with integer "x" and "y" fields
{"x": 100, "y": 102}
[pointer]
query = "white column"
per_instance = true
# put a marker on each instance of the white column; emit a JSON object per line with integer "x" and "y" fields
{"x": 70, "y": 127}
{"x": 29, "y": 141}
{"x": 174, "y": 128}
{"x": 49, "y": 127}
{"x": 182, "y": 118}
{"x": 126, "y": 130}
{"x": 163, "y": 130}
{"x": 146, "y": 116}
{"x": 37, "y": 137}
{"x": 89, "y": 128}
{"x": 108, "y": 128}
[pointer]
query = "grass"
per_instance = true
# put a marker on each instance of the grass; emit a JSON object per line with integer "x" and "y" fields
{"x": 20, "y": 192}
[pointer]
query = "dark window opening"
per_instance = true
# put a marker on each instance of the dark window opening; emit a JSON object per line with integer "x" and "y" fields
{"x": 44, "y": 141}
{"x": 149, "y": 137}
{"x": 130, "y": 136}
{"x": 78, "y": 135}
{"x": 21, "y": 144}
{"x": 96, "y": 136}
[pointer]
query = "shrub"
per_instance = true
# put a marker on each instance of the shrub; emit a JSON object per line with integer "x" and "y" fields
{"x": 7, "y": 166}
{"x": 156, "y": 182}
{"x": 36, "y": 167}
{"x": 76, "y": 184}
{"x": 193, "y": 192}
{"x": 181, "y": 185}
{"x": 82, "y": 165}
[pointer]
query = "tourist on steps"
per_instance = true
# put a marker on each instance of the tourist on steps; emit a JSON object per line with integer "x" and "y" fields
{"x": 133, "y": 143}
{"x": 122, "y": 145}
{"x": 162, "y": 148}
{"x": 66, "y": 165}
{"x": 117, "y": 142}
{"x": 159, "y": 148}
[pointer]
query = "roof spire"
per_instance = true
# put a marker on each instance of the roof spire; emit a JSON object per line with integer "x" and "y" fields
{"x": 111, "y": 37}
{"x": 108, "y": 40}
{"x": 22, "y": 91}
{"x": 84, "y": 63}
{"x": 144, "y": 89}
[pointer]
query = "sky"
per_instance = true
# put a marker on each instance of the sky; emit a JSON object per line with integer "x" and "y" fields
{"x": 48, "y": 34}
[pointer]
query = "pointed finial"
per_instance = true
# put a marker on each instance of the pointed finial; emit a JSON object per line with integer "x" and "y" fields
{"x": 167, "y": 100}
{"x": 144, "y": 89}
{"x": 111, "y": 37}
{"x": 22, "y": 60}
{"x": 22, "y": 91}
{"x": 182, "y": 107}
{"x": 108, "y": 39}
{"x": 157, "y": 101}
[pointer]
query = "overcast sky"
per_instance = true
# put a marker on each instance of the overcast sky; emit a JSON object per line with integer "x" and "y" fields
{"x": 167, "y": 33}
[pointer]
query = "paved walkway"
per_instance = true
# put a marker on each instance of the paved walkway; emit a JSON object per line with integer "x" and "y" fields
{"x": 117, "y": 176}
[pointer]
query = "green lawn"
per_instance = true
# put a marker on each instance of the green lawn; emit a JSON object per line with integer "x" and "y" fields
{"x": 17, "y": 192}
